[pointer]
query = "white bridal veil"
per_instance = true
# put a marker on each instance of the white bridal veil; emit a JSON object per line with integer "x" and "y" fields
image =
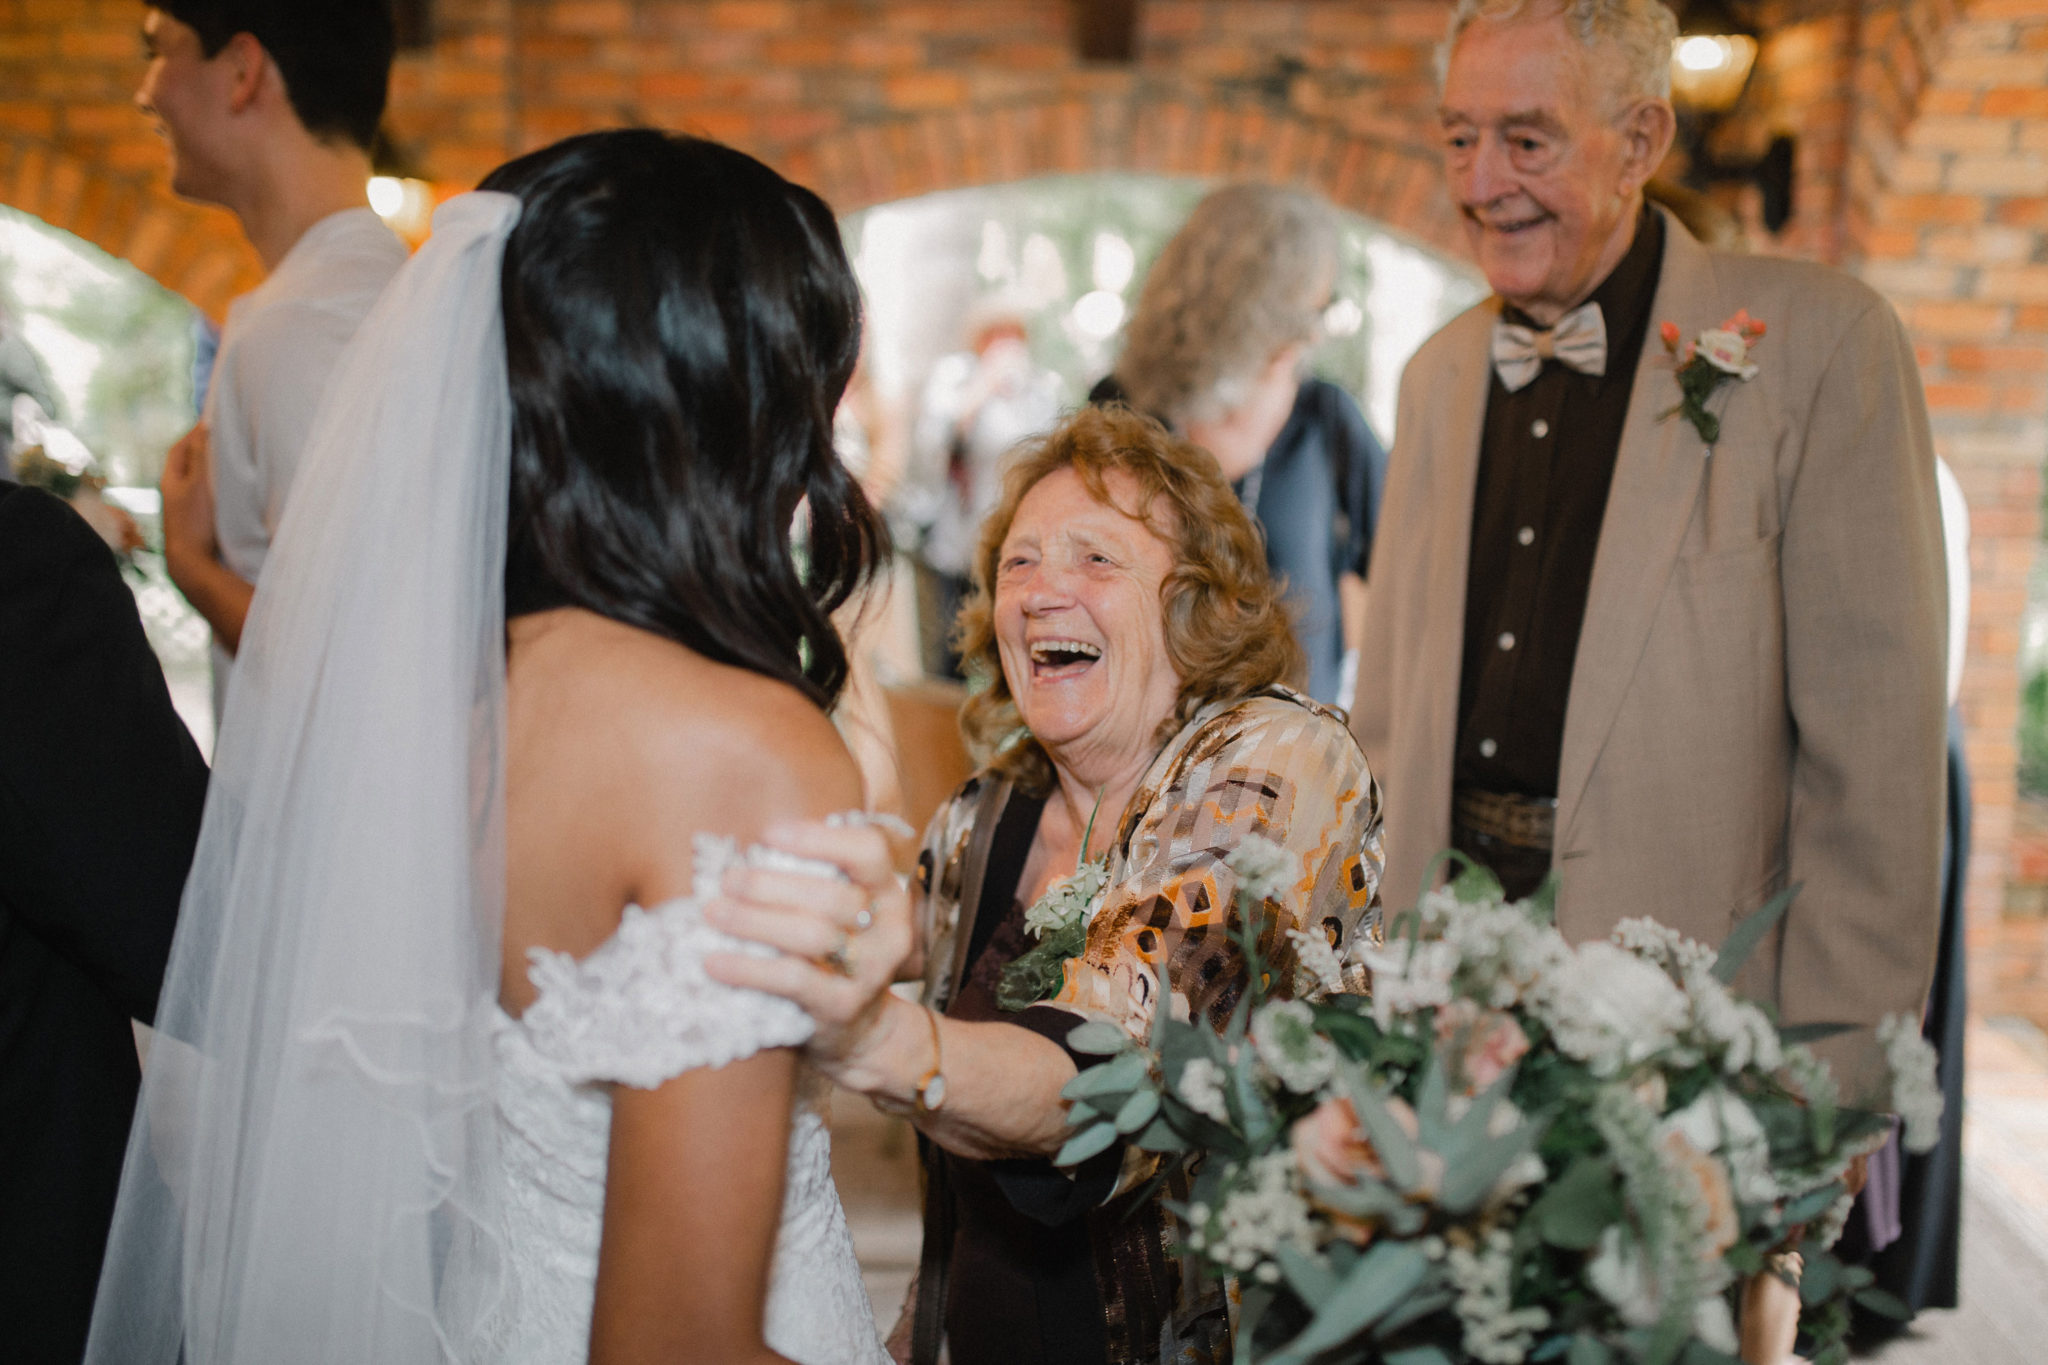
{"x": 311, "y": 1170}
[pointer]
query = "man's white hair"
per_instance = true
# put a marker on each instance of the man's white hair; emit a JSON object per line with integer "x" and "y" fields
{"x": 1639, "y": 32}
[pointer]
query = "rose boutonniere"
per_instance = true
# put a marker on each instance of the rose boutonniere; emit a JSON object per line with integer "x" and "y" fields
{"x": 1706, "y": 363}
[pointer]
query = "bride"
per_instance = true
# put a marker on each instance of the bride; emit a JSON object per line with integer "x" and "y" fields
{"x": 533, "y": 652}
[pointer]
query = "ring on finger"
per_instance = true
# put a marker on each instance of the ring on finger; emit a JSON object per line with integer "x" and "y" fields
{"x": 865, "y": 919}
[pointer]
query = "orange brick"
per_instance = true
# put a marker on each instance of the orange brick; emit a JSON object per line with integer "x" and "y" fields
{"x": 1952, "y": 397}
{"x": 1977, "y": 359}
{"x": 1962, "y": 321}
{"x": 2014, "y": 284}
{"x": 588, "y": 16}
{"x": 1934, "y": 208}
{"x": 925, "y": 90}
{"x": 2016, "y": 103}
{"x": 759, "y": 15}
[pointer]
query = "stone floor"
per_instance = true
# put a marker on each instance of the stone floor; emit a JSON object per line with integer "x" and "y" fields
{"x": 2003, "y": 1319}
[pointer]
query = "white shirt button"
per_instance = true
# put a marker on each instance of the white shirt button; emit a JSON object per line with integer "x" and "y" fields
{"x": 1507, "y": 639}
{"x": 1526, "y": 536}
{"x": 1539, "y": 428}
{"x": 1487, "y": 748}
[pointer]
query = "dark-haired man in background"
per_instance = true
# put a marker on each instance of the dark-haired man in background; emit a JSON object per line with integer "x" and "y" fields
{"x": 269, "y": 107}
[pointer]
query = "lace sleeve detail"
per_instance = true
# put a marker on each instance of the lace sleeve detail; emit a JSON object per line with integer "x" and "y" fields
{"x": 640, "y": 1010}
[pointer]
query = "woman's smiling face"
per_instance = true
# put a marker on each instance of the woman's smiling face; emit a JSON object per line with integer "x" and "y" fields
{"x": 1080, "y": 625}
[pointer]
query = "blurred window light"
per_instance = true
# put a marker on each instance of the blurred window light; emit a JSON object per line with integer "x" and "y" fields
{"x": 387, "y": 195}
{"x": 1709, "y": 70}
{"x": 1098, "y": 313}
{"x": 1115, "y": 262}
{"x": 1343, "y": 318}
{"x": 993, "y": 264}
{"x": 1045, "y": 274}
{"x": 405, "y": 205}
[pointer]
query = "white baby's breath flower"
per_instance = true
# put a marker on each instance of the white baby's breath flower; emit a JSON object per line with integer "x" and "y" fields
{"x": 1318, "y": 969}
{"x": 1407, "y": 978}
{"x": 1743, "y": 1034}
{"x": 1720, "y": 1122}
{"x": 1262, "y": 867}
{"x": 1284, "y": 1033}
{"x": 1715, "y": 1325}
{"x": 1610, "y": 1009}
{"x": 1620, "y": 1274}
{"x": 1916, "y": 1090}
{"x": 1201, "y": 1086}
{"x": 1495, "y": 1331}
{"x": 1260, "y": 1214}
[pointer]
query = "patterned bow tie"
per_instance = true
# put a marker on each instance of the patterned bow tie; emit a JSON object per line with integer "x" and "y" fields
{"x": 1579, "y": 340}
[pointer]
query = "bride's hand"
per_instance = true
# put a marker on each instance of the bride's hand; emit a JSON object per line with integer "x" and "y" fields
{"x": 839, "y": 943}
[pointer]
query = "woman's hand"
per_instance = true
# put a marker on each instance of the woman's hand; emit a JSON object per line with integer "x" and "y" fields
{"x": 840, "y": 942}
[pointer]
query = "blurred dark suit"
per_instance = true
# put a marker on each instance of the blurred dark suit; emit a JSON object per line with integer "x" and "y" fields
{"x": 100, "y": 795}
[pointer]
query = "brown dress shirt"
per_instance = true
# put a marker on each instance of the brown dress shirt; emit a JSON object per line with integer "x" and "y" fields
{"x": 1545, "y": 461}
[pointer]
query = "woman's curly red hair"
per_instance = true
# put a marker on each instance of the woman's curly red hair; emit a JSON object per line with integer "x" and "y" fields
{"x": 1226, "y": 623}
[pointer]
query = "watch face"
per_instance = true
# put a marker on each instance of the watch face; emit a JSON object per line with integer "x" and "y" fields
{"x": 934, "y": 1092}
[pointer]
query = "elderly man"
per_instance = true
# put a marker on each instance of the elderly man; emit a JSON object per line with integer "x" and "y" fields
{"x": 1683, "y": 658}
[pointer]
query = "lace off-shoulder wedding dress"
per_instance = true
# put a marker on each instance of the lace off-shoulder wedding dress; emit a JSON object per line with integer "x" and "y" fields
{"x": 638, "y": 1011}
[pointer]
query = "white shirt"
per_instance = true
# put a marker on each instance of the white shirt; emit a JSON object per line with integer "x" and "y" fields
{"x": 280, "y": 344}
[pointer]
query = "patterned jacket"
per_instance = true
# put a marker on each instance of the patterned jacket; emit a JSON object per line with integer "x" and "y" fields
{"x": 1275, "y": 764}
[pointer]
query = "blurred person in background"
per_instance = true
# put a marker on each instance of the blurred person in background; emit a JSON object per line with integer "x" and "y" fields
{"x": 977, "y": 404}
{"x": 100, "y": 794}
{"x": 1216, "y": 350}
{"x": 269, "y": 108}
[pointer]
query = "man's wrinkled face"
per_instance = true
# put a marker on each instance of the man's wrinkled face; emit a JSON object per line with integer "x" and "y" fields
{"x": 188, "y": 95}
{"x": 1537, "y": 162}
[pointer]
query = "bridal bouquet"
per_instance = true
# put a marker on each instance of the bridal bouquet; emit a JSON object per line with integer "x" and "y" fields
{"x": 1513, "y": 1150}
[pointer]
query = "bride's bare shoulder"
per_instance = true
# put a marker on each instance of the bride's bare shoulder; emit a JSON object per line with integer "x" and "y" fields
{"x": 659, "y": 736}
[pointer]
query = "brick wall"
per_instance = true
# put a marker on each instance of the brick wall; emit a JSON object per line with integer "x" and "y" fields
{"x": 1956, "y": 232}
{"x": 1921, "y": 147}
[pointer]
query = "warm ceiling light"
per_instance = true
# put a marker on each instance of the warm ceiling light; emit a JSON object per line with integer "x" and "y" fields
{"x": 1708, "y": 71}
{"x": 406, "y": 205}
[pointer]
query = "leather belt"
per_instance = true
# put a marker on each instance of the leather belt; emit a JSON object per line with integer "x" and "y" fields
{"x": 1515, "y": 821}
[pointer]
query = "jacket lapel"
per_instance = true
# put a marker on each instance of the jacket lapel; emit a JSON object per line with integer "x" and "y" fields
{"x": 1658, "y": 472}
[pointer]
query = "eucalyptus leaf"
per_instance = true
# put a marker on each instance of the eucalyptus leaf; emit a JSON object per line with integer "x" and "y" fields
{"x": 1307, "y": 1275}
{"x": 1382, "y": 1278}
{"x": 1469, "y": 1180}
{"x": 1589, "y": 1350}
{"x": 1161, "y": 1136}
{"x": 1417, "y": 1355}
{"x": 1138, "y": 1111}
{"x": 1817, "y": 1281}
{"x": 1097, "y": 1039}
{"x": 1125, "y": 1072}
{"x": 1431, "y": 1102}
{"x": 1580, "y": 1205}
{"x": 1742, "y": 940}
{"x": 1884, "y": 1304}
{"x": 1418, "y": 1306}
{"x": 1085, "y": 1144}
{"x": 1396, "y": 1149}
{"x": 1812, "y": 1204}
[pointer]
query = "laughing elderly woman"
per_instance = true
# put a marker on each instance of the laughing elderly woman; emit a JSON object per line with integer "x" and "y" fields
{"x": 1136, "y": 727}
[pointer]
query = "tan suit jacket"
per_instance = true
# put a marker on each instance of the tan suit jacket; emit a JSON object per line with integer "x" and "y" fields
{"x": 1757, "y": 697}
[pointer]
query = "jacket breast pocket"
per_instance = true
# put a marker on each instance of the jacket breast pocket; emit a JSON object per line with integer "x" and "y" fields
{"x": 1752, "y": 559}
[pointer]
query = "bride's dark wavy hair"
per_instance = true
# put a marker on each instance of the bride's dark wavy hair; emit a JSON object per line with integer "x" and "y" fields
{"x": 680, "y": 323}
